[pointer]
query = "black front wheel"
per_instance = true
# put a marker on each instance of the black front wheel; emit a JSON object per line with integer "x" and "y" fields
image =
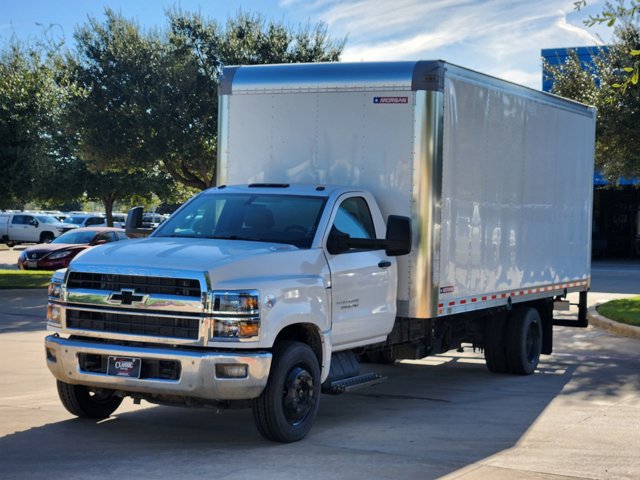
{"x": 287, "y": 407}
{"x": 84, "y": 403}
{"x": 46, "y": 237}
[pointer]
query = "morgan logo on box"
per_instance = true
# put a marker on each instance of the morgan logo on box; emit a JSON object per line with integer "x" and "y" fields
{"x": 390, "y": 100}
{"x": 447, "y": 289}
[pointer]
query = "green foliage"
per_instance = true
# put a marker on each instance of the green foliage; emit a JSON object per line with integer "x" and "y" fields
{"x": 31, "y": 103}
{"x": 625, "y": 15}
{"x": 617, "y": 147}
{"x": 624, "y": 310}
{"x": 24, "y": 279}
{"x": 129, "y": 113}
{"x": 151, "y": 99}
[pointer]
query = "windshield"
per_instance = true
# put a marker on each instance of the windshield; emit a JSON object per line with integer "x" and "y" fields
{"x": 47, "y": 219}
{"x": 76, "y": 220}
{"x": 290, "y": 219}
{"x": 75, "y": 237}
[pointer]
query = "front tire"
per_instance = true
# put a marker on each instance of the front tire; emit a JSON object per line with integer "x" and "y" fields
{"x": 46, "y": 237}
{"x": 524, "y": 341}
{"x": 83, "y": 403}
{"x": 287, "y": 407}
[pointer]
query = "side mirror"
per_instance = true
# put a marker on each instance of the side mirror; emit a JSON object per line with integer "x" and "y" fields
{"x": 396, "y": 243}
{"x": 398, "y": 238}
{"x": 338, "y": 242}
{"x": 133, "y": 225}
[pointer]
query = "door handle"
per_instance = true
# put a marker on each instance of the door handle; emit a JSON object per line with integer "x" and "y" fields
{"x": 384, "y": 264}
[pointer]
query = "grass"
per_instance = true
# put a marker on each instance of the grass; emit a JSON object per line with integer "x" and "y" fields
{"x": 24, "y": 279}
{"x": 626, "y": 310}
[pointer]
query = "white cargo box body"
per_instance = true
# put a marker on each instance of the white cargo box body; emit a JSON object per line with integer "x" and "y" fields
{"x": 496, "y": 177}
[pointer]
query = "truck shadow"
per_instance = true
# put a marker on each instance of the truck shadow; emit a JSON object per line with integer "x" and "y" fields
{"x": 23, "y": 310}
{"x": 425, "y": 421}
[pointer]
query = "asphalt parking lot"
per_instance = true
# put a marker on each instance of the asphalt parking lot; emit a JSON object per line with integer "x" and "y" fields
{"x": 440, "y": 417}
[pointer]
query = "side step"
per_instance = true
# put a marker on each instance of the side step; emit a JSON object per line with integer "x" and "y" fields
{"x": 341, "y": 386}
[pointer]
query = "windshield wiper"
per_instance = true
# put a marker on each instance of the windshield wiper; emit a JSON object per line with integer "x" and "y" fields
{"x": 227, "y": 237}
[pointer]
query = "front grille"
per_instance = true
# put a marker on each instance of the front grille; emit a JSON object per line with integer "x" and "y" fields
{"x": 171, "y": 327}
{"x": 36, "y": 255}
{"x": 184, "y": 287}
{"x": 150, "y": 367}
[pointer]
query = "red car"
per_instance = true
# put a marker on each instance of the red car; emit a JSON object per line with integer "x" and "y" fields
{"x": 58, "y": 253}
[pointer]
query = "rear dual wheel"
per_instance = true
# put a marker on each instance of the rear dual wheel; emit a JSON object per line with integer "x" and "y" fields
{"x": 514, "y": 344}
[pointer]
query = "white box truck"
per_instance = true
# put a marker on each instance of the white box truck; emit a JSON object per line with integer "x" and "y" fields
{"x": 267, "y": 289}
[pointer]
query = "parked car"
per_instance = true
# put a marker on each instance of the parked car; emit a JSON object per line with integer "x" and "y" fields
{"x": 27, "y": 227}
{"x": 58, "y": 254}
{"x": 119, "y": 219}
{"x": 88, "y": 220}
{"x": 97, "y": 219}
{"x": 152, "y": 219}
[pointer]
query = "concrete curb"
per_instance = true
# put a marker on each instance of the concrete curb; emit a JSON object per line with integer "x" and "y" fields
{"x": 616, "y": 328}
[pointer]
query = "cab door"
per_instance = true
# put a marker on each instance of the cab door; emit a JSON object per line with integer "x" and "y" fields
{"x": 23, "y": 228}
{"x": 363, "y": 282}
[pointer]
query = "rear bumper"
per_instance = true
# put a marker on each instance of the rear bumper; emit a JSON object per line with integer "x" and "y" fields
{"x": 197, "y": 370}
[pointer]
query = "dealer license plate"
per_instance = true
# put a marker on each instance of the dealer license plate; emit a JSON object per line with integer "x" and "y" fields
{"x": 124, "y": 367}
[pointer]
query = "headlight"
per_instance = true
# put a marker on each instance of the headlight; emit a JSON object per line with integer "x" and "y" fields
{"x": 236, "y": 301}
{"x": 55, "y": 290}
{"x": 236, "y": 315}
{"x": 55, "y": 285}
{"x": 57, "y": 255}
{"x": 54, "y": 310}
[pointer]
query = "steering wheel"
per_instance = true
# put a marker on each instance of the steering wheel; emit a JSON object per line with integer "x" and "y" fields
{"x": 297, "y": 228}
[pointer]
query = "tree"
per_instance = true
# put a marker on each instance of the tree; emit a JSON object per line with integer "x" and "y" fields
{"x": 604, "y": 85}
{"x": 31, "y": 103}
{"x": 150, "y": 98}
{"x": 197, "y": 51}
{"x": 619, "y": 13}
{"x": 112, "y": 111}
{"x": 109, "y": 187}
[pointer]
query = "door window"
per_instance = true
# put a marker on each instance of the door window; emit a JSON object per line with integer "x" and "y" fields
{"x": 107, "y": 237}
{"x": 94, "y": 221}
{"x": 354, "y": 218}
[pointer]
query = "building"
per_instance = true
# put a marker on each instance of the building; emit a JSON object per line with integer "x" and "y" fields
{"x": 616, "y": 210}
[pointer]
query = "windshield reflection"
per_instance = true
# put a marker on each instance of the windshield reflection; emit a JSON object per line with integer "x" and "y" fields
{"x": 290, "y": 219}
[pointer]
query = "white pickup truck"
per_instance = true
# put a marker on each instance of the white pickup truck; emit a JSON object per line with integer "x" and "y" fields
{"x": 269, "y": 288}
{"x": 26, "y": 227}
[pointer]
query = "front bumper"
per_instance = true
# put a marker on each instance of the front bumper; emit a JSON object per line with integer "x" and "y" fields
{"x": 197, "y": 373}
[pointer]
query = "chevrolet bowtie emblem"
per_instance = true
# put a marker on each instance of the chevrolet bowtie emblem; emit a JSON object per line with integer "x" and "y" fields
{"x": 126, "y": 296}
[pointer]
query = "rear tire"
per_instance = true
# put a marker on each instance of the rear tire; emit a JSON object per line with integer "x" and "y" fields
{"x": 382, "y": 357}
{"x": 495, "y": 353}
{"x": 524, "y": 341}
{"x": 83, "y": 403}
{"x": 287, "y": 407}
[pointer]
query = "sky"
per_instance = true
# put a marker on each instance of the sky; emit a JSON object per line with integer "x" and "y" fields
{"x": 499, "y": 37}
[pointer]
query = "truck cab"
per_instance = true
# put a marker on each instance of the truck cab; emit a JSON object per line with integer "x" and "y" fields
{"x": 246, "y": 283}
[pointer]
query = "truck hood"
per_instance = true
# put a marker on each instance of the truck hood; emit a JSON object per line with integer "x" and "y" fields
{"x": 193, "y": 254}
